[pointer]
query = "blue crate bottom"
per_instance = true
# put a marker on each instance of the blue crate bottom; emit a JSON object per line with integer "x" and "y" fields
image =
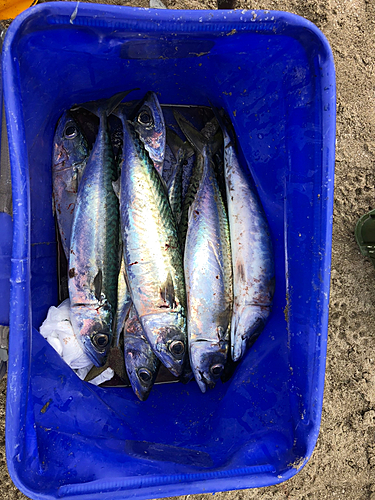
{"x": 176, "y": 437}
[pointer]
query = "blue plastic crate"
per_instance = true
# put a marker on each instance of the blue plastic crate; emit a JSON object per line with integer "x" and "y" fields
{"x": 273, "y": 72}
{"x": 5, "y": 258}
{"x": 6, "y": 233}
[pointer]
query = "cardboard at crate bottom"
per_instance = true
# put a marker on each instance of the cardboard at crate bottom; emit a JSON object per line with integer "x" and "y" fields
{"x": 58, "y": 331}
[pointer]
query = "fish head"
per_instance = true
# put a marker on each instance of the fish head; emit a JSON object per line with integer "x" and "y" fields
{"x": 150, "y": 126}
{"x": 70, "y": 148}
{"x": 141, "y": 363}
{"x": 92, "y": 327}
{"x": 247, "y": 324}
{"x": 208, "y": 360}
{"x": 166, "y": 333}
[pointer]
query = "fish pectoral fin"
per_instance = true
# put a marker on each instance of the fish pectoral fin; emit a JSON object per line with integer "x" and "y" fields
{"x": 190, "y": 213}
{"x": 167, "y": 292}
{"x": 219, "y": 262}
{"x": 117, "y": 187}
{"x": 79, "y": 170}
{"x": 98, "y": 283}
{"x": 72, "y": 185}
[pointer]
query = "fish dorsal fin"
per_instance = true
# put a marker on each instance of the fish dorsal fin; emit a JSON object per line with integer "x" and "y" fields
{"x": 71, "y": 185}
{"x": 98, "y": 283}
{"x": 115, "y": 100}
{"x": 163, "y": 182}
{"x": 127, "y": 109}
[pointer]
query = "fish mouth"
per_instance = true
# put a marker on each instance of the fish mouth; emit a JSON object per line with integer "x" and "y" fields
{"x": 247, "y": 325}
{"x": 141, "y": 372}
{"x": 208, "y": 361}
{"x": 141, "y": 389}
{"x": 207, "y": 379}
{"x": 175, "y": 367}
{"x": 165, "y": 333}
{"x": 171, "y": 352}
{"x": 94, "y": 337}
{"x": 99, "y": 359}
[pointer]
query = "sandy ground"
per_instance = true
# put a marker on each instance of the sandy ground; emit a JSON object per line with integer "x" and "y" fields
{"x": 343, "y": 463}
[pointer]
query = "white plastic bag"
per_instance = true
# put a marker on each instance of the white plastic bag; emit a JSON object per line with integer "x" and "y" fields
{"x": 58, "y": 331}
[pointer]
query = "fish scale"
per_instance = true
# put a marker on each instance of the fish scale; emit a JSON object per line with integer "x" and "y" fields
{"x": 150, "y": 192}
{"x": 112, "y": 234}
{"x": 150, "y": 127}
{"x": 193, "y": 187}
{"x": 208, "y": 235}
{"x": 97, "y": 217}
{"x": 208, "y": 132}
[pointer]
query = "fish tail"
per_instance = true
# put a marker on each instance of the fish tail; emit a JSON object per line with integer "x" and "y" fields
{"x": 106, "y": 106}
{"x": 196, "y": 138}
{"x": 175, "y": 142}
{"x": 227, "y": 139}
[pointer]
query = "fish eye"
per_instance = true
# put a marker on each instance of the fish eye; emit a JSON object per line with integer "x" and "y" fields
{"x": 70, "y": 132}
{"x": 216, "y": 370}
{"x": 144, "y": 118}
{"x": 145, "y": 375}
{"x": 100, "y": 340}
{"x": 177, "y": 347}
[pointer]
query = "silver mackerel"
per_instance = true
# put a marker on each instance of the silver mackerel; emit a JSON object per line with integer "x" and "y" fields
{"x": 94, "y": 252}
{"x": 70, "y": 155}
{"x": 149, "y": 124}
{"x": 208, "y": 270}
{"x": 252, "y": 254}
{"x": 152, "y": 256}
{"x": 142, "y": 365}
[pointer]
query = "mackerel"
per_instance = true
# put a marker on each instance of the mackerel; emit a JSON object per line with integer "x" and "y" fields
{"x": 94, "y": 250}
{"x": 70, "y": 155}
{"x": 153, "y": 259}
{"x": 208, "y": 269}
{"x": 252, "y": 253}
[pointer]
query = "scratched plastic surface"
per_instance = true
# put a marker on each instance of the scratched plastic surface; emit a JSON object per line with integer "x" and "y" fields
{"x": 273, "y": 73}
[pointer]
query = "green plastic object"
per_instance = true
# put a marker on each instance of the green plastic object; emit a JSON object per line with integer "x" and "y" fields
{"x": 365, "y": 235}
